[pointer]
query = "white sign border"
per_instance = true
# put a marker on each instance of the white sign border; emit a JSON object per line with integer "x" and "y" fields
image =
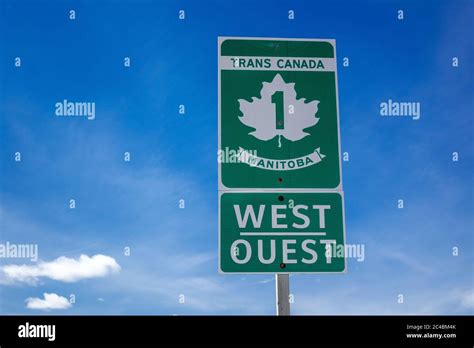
{"x": 221, "y": 192}
{"x": 221, "y": 186}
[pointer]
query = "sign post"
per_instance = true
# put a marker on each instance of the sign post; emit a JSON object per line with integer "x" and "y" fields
{"x": 282, "y": 288}
{"x": 281, "y": 206}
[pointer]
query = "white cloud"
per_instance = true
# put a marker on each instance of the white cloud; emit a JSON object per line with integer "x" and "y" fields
{"x": 50, "y": 301}
{"x": 62, "y": 269}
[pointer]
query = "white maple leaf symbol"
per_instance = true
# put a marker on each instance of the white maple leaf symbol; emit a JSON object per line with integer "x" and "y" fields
{"x": 295, "y": 115}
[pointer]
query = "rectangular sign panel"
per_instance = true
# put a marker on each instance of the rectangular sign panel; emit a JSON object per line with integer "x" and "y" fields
{"x": 278, "y": 114}
{"x": 280, "y": 188}
{"x": 281, "y": 232}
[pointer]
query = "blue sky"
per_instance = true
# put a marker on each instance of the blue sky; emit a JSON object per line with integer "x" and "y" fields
{"x": 174, "y": 251}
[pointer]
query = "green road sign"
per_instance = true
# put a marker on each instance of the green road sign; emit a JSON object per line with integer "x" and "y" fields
{"x": 281, "y": 232}
{"x": 278, "y": 114}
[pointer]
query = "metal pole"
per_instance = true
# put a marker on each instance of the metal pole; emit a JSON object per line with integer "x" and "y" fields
{"x": 282, "y": 287}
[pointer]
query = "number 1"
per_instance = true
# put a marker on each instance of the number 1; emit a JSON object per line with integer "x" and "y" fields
{"x": 277, "y": 99}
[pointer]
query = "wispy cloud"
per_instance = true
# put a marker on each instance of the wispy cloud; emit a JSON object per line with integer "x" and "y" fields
{"x": 200, "y": 292}
{"x": 266, "y": 281}
{"x": 467, "y": 299}
{"x": 440, "y": 301}
{"x": 49, "y": 302}
{"x": 407, "y": 261}
{"x": 62, "y": 269}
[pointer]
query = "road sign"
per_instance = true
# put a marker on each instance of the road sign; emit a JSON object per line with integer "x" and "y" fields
{"x": 281, "y": 232}
{"x": 280, "y": 188}
{"x": 278, "y": 114}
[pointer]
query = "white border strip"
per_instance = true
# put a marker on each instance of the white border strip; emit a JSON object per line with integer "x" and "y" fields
{"x": 313, "y": 64}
